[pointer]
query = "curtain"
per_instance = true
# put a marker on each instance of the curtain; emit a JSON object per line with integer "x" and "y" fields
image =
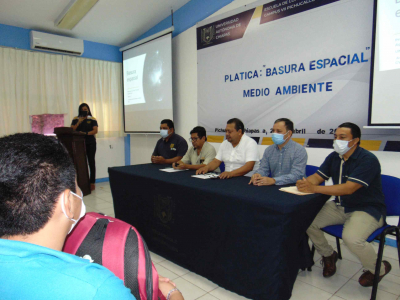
{"x": 34, "y": 83}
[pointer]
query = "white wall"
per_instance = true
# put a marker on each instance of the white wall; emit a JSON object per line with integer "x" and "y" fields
{"x": 184, "y": 66}
{"x": 142, "y": 146}
{"x": 184, "y": 62}
{"x": 110, "y": 153}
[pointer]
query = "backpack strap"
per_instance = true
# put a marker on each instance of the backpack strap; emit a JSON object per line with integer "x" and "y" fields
{"x": 114, "y": 247}
{"x": 73, "y": 241}
{"x": 142, "y": 267}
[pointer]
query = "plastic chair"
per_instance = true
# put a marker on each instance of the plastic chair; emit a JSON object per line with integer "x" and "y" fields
{"x": 311, "y": 170}
{"x": 391, "y": 190}
{"x": 222, "y": 167}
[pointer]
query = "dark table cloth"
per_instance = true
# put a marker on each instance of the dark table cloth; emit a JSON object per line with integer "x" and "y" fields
{"x": 244, "y": 238}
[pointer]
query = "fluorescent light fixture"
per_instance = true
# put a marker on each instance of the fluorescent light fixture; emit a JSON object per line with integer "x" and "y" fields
{"x": 73, "y": 13}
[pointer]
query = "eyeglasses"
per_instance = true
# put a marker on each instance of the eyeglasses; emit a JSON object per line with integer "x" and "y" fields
{"x": 193, "y": 140}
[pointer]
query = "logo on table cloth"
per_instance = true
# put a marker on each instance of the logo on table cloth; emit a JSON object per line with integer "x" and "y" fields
{"x": 164, "y": 208}
{"x": 207, "y": 34}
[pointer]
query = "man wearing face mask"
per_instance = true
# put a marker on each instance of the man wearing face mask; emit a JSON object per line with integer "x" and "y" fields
{"x": 171, "y": 147}
{"x": 40, "y": 203}
{"x": 200, "y": 154}
{"x": 239, "y": 152}
{"x": 359, "y": 202}
{"x": 285, "y": 161}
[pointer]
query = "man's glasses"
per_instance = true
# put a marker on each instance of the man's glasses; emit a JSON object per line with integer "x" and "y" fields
{"x": 193, "y": 140}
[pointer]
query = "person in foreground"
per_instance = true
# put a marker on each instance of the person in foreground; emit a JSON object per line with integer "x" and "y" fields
{"x": 239, "y": 152}
{"x": 286, "y": 160}
{"x": 171, "y": 147}
{"x": 40, "y": 203}
{"x": 200, "y": 154}
{"x": 359, "y": 203}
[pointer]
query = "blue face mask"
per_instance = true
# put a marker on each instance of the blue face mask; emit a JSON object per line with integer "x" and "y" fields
{"x": 278, "y": 138}
{"x": 164, "y": 133}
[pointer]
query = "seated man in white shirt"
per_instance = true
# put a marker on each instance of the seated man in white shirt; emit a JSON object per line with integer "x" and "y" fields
{"x": 239, "y": 152}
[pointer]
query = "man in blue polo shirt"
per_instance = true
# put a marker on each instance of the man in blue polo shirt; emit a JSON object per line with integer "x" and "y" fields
{"x": 171, "y": 147}
{"x": 40, "y": 203}
{"x": 359, "y": 202}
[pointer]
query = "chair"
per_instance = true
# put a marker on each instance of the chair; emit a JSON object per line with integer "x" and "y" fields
{"x": 222, "y": 167}
{"x": 391, "y": 190}
{"x": 310, "y": 170}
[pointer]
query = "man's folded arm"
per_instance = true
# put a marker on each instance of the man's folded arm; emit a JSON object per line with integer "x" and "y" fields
{"x": 246, "y": 168}
{"x": 215, "y": 163}
{"x": 343, "y": 189}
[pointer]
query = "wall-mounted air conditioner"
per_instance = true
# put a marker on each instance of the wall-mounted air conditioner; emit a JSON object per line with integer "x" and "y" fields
{"x": 56, "y": 43}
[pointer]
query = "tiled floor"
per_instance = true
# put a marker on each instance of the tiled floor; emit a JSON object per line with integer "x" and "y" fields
{"x": 309, "y": 285}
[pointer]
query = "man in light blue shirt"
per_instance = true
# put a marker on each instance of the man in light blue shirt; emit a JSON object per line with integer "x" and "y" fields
{"x": 40, "y": 203}
{"x": 285, "y": 161}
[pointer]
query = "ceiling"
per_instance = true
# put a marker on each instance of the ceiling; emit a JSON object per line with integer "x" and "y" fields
{"x": 113, "y": 22}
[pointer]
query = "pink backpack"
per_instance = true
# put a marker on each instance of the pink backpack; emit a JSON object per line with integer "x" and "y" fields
{"x": 119, "y": 247}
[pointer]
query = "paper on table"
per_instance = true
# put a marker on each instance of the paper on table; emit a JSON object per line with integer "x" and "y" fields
{"x": 206, "y": 176}
{"x": 293, "y": 190}
{"x": 170, "y": 170}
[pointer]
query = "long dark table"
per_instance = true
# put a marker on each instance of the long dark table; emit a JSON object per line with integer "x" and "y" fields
{"x": 242, "y": 237}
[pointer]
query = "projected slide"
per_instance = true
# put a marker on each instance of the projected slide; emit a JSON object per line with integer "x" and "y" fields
{"x": 133, "y": 69}
{"x": 385, "y": 99}
{"x": 389, "y": 35}
{"x": 147, "y": 77}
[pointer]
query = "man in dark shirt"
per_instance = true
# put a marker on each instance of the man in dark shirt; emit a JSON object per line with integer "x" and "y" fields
{"x": 359, "y": 202}
{"x": 171, "y": 147}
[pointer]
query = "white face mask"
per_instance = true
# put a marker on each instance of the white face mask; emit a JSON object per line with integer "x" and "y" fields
{"x": 83, "y": 211}
{"x": 164, "y": 133}
{"x": 341, "y": 147}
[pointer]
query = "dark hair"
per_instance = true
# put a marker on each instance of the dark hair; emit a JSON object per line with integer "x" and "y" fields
{"x": 238, "y": 124}
{"x": 201, "y": 131}
{"x": 354, "y": 129}
{"x": 288, "y": 124}
{"x": 34, "y": 171}
{"x": 169, "y": 123}
{"x": 80, "y": 109}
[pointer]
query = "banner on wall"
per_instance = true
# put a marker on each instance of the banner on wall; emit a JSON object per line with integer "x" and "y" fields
{"x": 306, "y": 60}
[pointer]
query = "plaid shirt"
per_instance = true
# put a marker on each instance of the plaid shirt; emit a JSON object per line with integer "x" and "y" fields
{"x": 286, "y": 166}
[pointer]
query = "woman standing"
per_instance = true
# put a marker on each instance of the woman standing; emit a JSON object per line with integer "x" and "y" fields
{"x": 87, "y": 124}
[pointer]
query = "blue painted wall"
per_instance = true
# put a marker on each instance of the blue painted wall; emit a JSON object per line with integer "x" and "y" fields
{"x": 127, "y": 140}
{"x": 17, "y": 37}
{"x": 187, "y": 16}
